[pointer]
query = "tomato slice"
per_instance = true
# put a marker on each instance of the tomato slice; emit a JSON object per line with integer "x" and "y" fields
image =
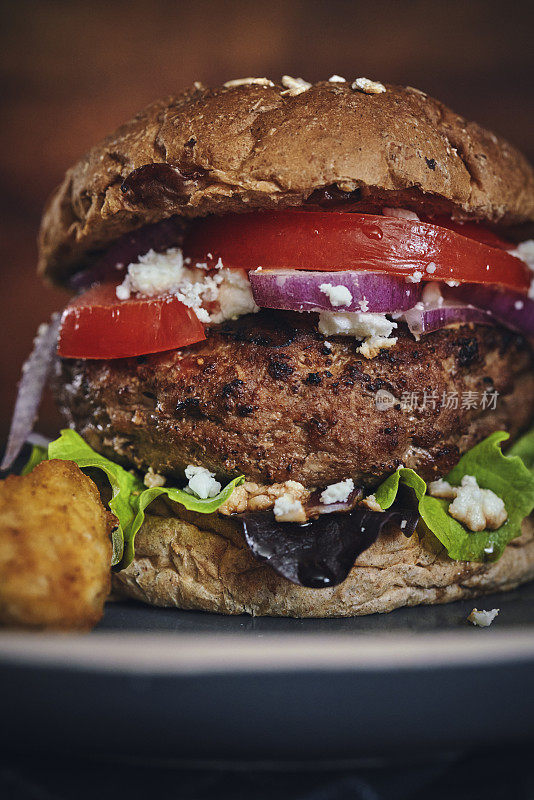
{"x": 98, "y": 325}
{"x": 340, "y": 240}
{"x": 473, "y": 230}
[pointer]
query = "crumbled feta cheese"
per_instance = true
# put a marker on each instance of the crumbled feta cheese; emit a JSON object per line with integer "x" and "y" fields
{"x": 452, "y": 284}
{"x": 483, "y": 618}
{"x": 357, "y": 324}
{"x": 154, "y": 273}
{"x": 227, "y": 293}
{"x": 250, "y": 496}
{"x": 123, "y": 291}
{"x": 525, "y": 251}
{"x": 364, "y": 305}
{"x": 371, "y": 504}
{"x": 287, "y": 509}
{"x": 478, "y": 509}
{"x": 235, "y": 296}
{"x": 431, "y": 294}
{"x": 372, "y": 346}
{"x": 327, "y": 345}
{"x": 202, "y": 482}
{"x": 336, "y": 79}
{"x": 337, "y": 492}
{"x": 431, "y": 268}
{"x": 247, "y": 82}
{"x": 441, "y": 488}
{"x": 415, "y": 277}
{"x": 367, "y": 86}
{"x": 338, "y": 295}
{"x": 152, "y": 479}
{"x": 400, "y": 213}
{"x": 518, "y": 305}
{"x": 373, "y": 328}
{"x": 202, "y": 315}
{"x": 294, "y": 86}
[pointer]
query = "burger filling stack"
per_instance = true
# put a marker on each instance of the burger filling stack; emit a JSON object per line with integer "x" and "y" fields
{"x": 298, "y": 356}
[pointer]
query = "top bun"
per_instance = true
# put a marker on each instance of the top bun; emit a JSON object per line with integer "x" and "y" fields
{"x": 259, "y": 145}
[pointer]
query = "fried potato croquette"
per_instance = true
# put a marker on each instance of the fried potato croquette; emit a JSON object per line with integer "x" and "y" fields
{"x": 55, "y": 549}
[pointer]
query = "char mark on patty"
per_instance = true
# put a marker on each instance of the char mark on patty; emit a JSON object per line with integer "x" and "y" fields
{"x": 263, "y": 397}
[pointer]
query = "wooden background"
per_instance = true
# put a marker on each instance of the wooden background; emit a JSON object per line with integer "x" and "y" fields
{"x": 71, "y": 71}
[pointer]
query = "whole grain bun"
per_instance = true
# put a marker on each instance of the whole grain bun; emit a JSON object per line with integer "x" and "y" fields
{"x": 256, "y": 146}
{"x": 179, "y": 565}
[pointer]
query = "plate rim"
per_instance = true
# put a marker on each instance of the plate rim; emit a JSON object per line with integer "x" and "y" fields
{"x": 207, "y": 653}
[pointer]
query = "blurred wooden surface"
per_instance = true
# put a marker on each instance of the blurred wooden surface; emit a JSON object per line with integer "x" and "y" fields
{"x": 71, "y": 71}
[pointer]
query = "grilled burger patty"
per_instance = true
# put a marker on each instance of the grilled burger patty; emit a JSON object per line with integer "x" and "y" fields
{"x": 264, "y": 396}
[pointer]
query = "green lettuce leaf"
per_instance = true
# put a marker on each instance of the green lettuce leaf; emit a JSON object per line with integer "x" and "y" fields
{"x": 125, "y": 487}
{"x": 387, "y": 492}
{"x": 524, "y": 448}
{"x": 189, "y": 501}
{"x": 510, "y": 476}
{"x": 38, "y": 454}
{"x": 130, "y": 498}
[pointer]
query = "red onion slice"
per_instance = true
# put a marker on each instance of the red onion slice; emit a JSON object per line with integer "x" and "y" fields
{"x": 297, "y": 290}
{"x": 511, "y": 309}
{"x": 427, "y": 319}
{"x": 34, "y": 376}
{"x": 315, "y": 508}
{"x": 481, "y": 305}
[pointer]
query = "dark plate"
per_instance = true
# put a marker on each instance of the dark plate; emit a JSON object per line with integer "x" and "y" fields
{"x": 161, "y": 683}
{"x": 156, "y": 683}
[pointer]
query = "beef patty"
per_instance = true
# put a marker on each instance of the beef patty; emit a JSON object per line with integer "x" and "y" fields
{"x": 266, "y": 397}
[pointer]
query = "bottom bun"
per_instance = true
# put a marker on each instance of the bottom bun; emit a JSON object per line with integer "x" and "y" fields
{"x": 178, "y": 564}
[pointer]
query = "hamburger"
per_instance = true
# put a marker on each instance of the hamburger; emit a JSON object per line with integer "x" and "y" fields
{"x": 299, "y": 348}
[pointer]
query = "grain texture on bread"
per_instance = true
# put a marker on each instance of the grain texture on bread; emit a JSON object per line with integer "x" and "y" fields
{"x": 179, "y": 565}
{"x": 247, "y": 147}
